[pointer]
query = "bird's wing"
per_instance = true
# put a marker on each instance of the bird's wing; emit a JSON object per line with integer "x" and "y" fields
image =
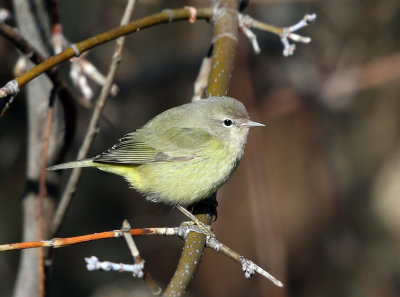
{"x": 139, "y": 147}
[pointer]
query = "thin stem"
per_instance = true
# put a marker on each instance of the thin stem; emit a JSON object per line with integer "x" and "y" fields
{"x": 151, "y": 283}
{"x": 61, "y": 242}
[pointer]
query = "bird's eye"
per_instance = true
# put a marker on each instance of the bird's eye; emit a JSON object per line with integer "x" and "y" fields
{"x": 227, "y": 122}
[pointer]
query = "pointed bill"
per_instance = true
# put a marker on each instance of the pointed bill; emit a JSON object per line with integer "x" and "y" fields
{"x": 249, "y": 123}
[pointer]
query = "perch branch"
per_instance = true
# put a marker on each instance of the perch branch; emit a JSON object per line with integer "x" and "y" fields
{"x": 61, "y": 242}
{"x": 224, "y": 41}
{"x": 184, "y": 232}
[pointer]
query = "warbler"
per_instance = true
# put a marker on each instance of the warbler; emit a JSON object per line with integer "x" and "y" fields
{"x": 182, "y": 155}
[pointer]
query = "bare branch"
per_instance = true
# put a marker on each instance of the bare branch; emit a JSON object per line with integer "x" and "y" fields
{"x": 248, "y": 266}
{"x": 61, "y": 242}
{"x": 225, "y": 39}
{"x": 77, "y": 49}
{"x": 185, "y": 231}
{"x": 93, "y": 263}
{"x": 246, "y": 22}
{"x": 139, "y": 262}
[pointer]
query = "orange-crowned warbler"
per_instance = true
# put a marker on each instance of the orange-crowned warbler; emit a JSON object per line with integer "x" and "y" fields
{"x": 182, "y": 155}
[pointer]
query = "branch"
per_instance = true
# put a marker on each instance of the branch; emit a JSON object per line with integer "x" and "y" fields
{"x": 246, "y": 22}
{"x": 7, "y": 93}
{"x": 138, "y": 269}
{"x": 93, "y": 263}
{"x": 184, "y": 232}
{"x": 224, "y": 41}
{"x": 248, "y": 266}
{"x": 61, "y": 242}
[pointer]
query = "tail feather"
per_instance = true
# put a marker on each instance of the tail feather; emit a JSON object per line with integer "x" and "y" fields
{"x": 73, "y": 164}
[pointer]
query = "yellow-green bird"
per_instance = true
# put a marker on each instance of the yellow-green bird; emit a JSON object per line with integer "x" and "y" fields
{"x": 182, "y": 155}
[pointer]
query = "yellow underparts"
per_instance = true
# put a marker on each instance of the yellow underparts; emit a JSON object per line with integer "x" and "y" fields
{"x": 180, "y": 182}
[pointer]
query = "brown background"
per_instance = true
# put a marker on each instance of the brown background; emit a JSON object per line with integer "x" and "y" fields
{"x": 316, "y": 198}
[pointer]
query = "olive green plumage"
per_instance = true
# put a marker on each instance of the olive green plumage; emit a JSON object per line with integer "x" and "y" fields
{"x": 182, "y": 155}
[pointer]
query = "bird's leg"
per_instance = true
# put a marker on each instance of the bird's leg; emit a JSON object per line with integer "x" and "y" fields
{"x": 203, "y": 227}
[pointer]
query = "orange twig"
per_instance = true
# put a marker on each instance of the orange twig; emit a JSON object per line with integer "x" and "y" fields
{"x": 60, "y": 242}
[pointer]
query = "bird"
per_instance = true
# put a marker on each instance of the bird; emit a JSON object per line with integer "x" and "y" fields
{"x": 182, "y": 155}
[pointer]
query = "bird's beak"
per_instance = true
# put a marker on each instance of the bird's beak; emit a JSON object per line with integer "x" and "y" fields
{"x": 249, "y": 123}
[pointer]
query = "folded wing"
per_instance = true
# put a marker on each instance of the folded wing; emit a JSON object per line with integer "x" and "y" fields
{"x": 142, "y": 147}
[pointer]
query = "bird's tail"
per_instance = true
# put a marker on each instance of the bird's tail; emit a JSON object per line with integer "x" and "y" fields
{"x": 74, "y": 164}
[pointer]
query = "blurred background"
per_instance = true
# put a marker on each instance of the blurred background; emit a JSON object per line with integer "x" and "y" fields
{"x": 316, "y": 198}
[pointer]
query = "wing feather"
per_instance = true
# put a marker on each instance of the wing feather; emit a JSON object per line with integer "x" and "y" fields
{"x": 141, "y": 147}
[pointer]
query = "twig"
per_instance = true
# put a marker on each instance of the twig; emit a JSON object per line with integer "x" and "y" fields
{"x": 76, "y": 49}
{"x": 7, "y": 93}
{"x": 61, "y": 242}
{"x": 139, "y": 262}
{"x": 184, "y": 232}
{"x": 137, "y": 269}
{"x": 246, "y": 22}
{"x": 69, "y": 191}
{"x": 93, "y": 263}
{"x": 248, "y": 266}
{"x": 250, "y": 35}
{"x": 129, "y": 241}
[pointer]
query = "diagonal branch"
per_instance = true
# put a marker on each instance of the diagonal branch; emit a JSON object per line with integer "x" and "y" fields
{"x": 12, "y": 88}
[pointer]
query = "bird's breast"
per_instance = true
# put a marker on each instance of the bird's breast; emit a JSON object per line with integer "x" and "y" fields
{"x": 186, "y": 182}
